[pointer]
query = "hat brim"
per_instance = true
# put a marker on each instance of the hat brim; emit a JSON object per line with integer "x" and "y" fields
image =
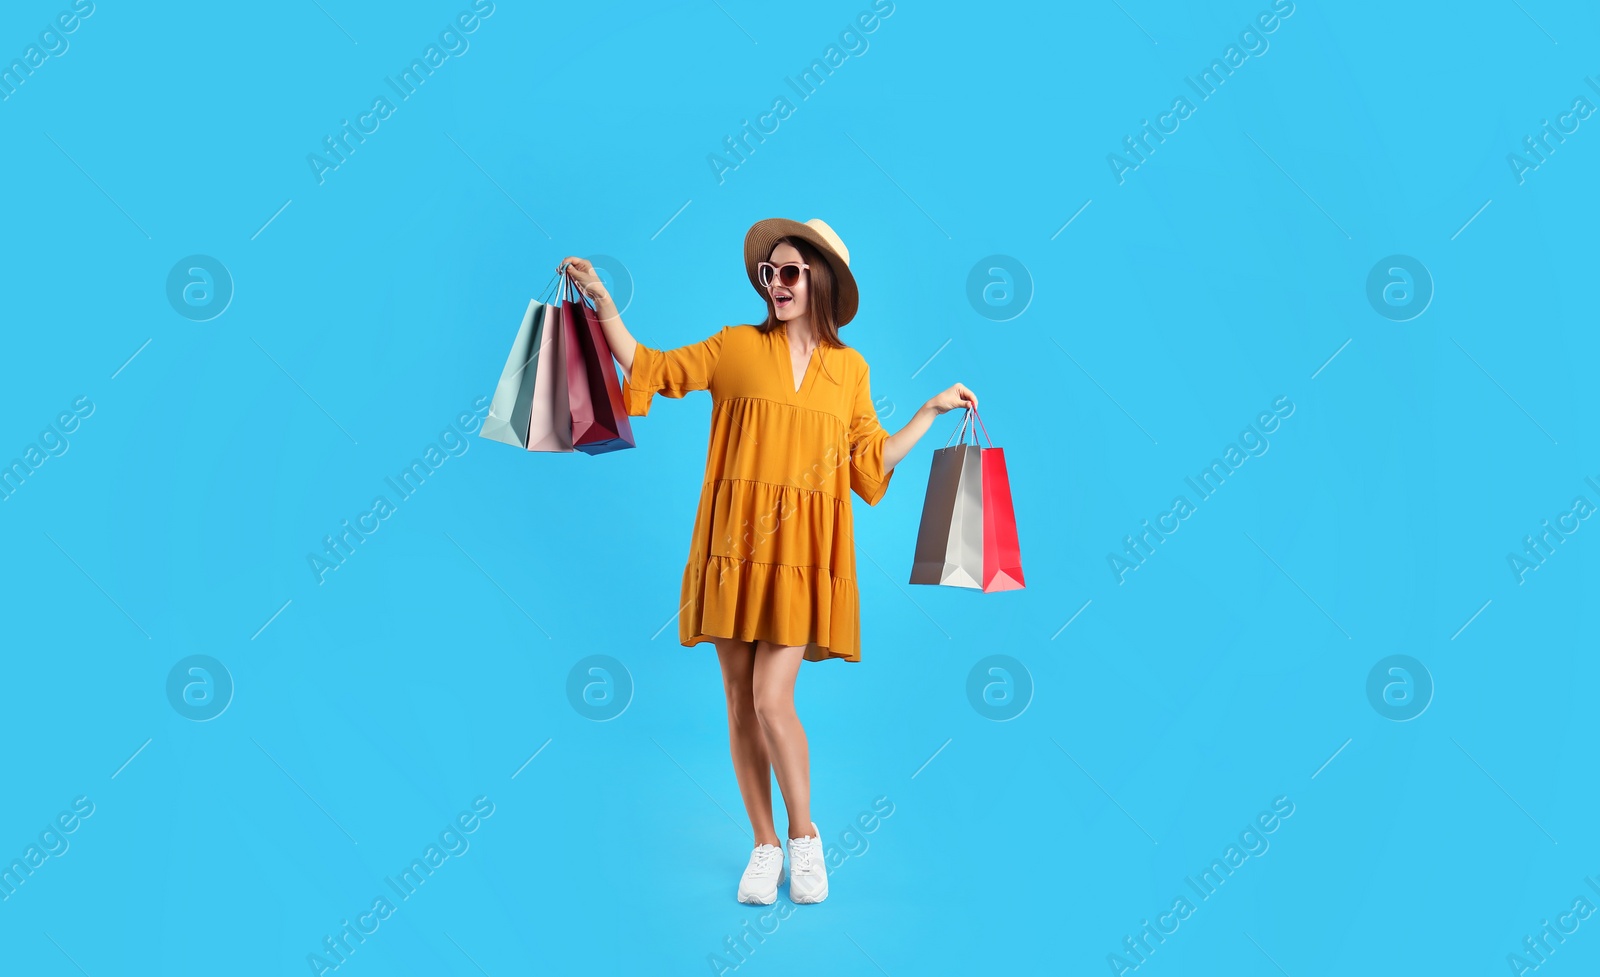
{"x": 764, "y": 235}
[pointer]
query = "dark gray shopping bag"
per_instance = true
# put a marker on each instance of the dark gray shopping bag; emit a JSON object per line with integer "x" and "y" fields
{"x": 950, "y": 539}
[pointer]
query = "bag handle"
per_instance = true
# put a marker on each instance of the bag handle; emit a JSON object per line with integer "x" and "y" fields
{"x": 550, "y": 287}
{"x": 966, "y": 419}
{"x": 558, "y": 288}
{"x": 981, "y": 425}
{"x": 568, "y": 289}
{"x": 971, "y": 414}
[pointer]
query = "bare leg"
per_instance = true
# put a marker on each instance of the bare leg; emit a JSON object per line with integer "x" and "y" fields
{"x": 775, "y": 669}
{"x": 746, "y": 741}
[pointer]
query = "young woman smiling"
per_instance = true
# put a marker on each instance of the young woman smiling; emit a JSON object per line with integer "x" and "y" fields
{"x": 771, "y": 575}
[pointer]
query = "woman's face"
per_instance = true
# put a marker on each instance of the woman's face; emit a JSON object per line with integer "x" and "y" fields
{"x": 789, "y": 300}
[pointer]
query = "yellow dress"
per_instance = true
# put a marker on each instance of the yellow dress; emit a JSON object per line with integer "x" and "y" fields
{"x": 773, "y": 553}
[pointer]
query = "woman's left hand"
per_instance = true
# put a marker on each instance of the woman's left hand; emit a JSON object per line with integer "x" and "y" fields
{"x": 585, "y": 278}
{"x": 956, "y": 396}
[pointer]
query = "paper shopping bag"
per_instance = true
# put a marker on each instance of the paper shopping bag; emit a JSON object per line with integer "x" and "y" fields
{"x": 950, "y": 539}
{"x": 1002, "y": 553}
{"x": 549, "y": 418}
{"x": 600, "y": 423}
{"x": 513, "y": 395}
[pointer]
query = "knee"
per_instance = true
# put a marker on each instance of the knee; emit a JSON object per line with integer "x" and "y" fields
{"x": 741, "y": 707}
{"x": 771, "y": 710}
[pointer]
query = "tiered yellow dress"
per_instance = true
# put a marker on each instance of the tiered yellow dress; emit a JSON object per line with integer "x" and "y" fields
{"x": 773, "y": 553}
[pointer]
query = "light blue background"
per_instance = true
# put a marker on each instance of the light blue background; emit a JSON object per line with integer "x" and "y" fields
{"x": 373, "y": 308}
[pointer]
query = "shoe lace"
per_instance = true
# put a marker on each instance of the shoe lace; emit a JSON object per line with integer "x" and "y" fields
{"x": 801, "y": 852}
{"x": 764, "y": 856}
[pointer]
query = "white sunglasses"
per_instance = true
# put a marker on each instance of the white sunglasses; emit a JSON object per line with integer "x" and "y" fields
{"x": 787, "y": 274}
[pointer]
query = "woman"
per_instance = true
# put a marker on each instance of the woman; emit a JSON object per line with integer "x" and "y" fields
{"x": 771, "y": 577}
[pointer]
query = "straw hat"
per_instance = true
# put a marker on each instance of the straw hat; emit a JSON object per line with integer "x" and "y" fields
{"x": 763, "y": 237}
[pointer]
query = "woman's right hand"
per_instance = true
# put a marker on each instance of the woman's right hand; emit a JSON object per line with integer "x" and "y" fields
{"x": 584, "y": 276}
{"x": 956, "y": 396}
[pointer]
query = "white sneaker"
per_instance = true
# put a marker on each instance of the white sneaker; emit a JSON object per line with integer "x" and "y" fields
{"x": 808, "y": 878}
{"x": 758, "y": 886}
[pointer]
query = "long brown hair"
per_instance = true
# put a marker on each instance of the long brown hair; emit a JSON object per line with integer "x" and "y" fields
{"x": 822, "y": 299}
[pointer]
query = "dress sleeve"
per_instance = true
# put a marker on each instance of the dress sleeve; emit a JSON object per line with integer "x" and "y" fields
{"x": 867, "y": 441}
{"x": 671, "y": 372}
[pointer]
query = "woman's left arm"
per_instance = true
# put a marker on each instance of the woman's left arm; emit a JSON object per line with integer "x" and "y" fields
{"x": 901, "y": 442}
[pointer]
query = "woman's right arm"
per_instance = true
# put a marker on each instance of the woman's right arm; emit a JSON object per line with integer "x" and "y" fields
{"x": 618, "y": 338}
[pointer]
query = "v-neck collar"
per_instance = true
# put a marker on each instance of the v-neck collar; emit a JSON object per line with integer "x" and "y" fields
{"x": 789, "y": 389}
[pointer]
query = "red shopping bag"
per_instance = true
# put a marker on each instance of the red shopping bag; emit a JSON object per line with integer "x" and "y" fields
{"x": 599, "y": 417}
{"x": 1002, "y": 552}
